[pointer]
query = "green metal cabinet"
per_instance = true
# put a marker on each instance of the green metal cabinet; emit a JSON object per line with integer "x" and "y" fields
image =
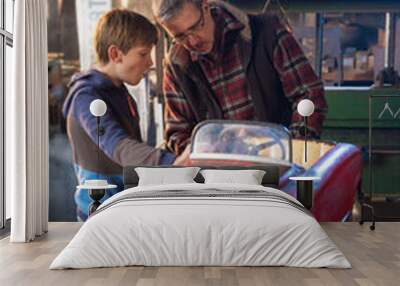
{"x": 347, "y": 121}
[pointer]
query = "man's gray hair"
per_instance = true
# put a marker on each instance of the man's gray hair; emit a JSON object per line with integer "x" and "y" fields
{"x": 164, "y": 10}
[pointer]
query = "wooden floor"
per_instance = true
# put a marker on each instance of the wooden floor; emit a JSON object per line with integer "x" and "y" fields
{"x": 375, "y": 256}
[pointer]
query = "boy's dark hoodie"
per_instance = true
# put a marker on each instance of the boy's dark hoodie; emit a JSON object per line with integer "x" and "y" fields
{"x": 121, "y": 143}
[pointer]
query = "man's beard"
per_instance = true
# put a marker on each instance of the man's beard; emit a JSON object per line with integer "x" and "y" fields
{"x": 200, "y": 53}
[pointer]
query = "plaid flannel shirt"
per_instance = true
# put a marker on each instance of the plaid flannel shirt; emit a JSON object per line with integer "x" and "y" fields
{"x": 226, "y": 76}
{"x": 225, "y": 72}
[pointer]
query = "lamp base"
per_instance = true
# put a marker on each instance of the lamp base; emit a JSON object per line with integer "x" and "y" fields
{"x": 305, "y": 193}
{"x": 96, "y": 195}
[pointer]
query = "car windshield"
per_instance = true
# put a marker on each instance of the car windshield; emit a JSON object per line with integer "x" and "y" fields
{"x": 242, "y": 140}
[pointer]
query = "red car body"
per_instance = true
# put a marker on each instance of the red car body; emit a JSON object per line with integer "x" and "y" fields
{"x": 339, "y": 169}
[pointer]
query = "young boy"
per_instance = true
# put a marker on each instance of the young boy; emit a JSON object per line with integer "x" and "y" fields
{"x": 123, "y": 43}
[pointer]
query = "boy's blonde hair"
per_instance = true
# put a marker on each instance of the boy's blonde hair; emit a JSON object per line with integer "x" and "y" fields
{"x": 124, "y": 29}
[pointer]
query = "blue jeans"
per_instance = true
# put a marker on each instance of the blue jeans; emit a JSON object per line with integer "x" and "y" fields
{"x": 82, "y": 199}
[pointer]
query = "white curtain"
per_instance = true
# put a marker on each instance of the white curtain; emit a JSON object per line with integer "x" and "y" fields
{"x": 27, "y": 123}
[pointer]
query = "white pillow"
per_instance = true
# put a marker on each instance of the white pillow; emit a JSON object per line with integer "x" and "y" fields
{"x": 163, "y": 176}
{"x": 248, "y": 177}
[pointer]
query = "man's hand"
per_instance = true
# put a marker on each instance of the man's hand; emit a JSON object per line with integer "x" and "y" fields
{"x": 183, "y": 159}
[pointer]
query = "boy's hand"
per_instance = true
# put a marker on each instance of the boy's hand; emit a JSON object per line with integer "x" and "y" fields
{"x": 183, "y": 159}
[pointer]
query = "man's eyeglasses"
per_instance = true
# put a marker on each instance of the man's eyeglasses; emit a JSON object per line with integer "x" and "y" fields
{"x": 195, "y": 28}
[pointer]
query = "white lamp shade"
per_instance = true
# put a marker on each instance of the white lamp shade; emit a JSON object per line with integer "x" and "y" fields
{"x": 98, "y": 107}
{"x": 305, "y": 107}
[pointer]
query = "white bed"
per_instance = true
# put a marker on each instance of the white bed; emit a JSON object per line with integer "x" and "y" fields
{"x": 201, "y": 225}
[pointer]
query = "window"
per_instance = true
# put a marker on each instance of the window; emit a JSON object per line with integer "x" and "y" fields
{"x": 6, "y": 44}
{"x": 358, "y": 58}
{"x": 346, "y": 48}
{"x": 9, "y": 19}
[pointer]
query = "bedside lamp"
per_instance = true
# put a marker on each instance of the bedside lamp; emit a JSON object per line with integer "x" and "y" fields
{"x": 305, "y": 108}
{"x": 304, "y": 189}
{"x": 98, "y": 108}
{"x": 97, "y": 188}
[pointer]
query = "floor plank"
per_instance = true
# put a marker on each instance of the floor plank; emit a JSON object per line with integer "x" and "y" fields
{"x": 374, "y": 255}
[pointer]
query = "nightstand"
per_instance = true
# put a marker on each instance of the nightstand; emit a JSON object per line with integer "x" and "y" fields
{"x": 97, "y": 190}
{"x": 304, "y": 190}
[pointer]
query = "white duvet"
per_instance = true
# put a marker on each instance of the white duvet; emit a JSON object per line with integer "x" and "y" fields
{"x": 181, "y": 230}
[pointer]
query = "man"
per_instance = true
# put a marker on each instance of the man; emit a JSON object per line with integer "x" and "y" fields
{"x": 225, "y": 64}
